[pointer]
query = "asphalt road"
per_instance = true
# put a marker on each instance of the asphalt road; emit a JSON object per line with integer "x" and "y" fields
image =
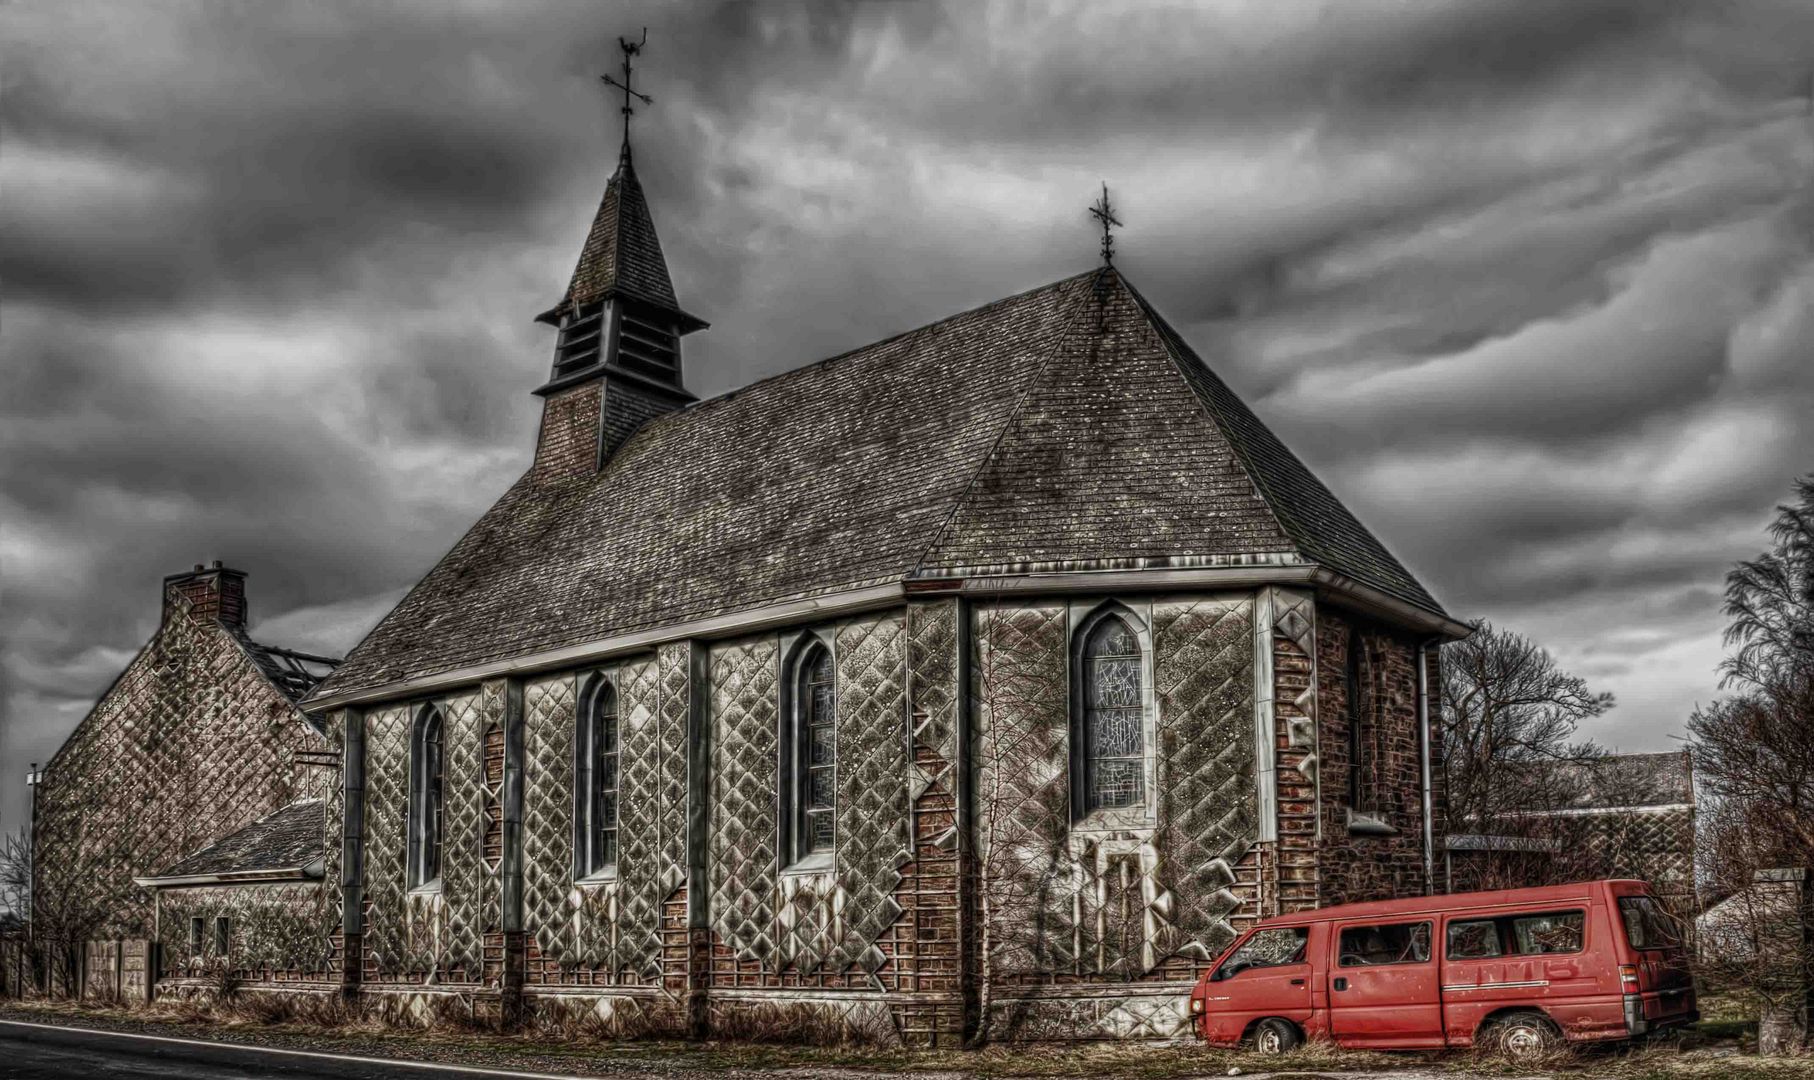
{"x": 43, "y": 1052}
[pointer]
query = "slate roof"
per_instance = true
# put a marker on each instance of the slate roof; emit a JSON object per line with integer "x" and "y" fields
{"x": 1066, "y": 427}
{"x": 284, "y": 839}
{"x": 622, "y": 254}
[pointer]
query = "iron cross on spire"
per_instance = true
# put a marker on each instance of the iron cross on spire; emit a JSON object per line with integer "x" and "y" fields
{"x": 630, "y": 48}
{"x": 1102, "y": 211}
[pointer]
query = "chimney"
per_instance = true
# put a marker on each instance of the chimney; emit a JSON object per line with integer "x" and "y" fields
{"x": 213, "y": 592}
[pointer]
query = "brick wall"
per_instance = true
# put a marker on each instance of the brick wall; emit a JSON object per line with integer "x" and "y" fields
{"x": 1356, "y": 864}
{"x": 568, "y": 444}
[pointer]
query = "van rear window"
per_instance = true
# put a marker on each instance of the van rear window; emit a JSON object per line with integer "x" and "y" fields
{"x": 1647, "y": 925}
{"x": 1536, "y": 934}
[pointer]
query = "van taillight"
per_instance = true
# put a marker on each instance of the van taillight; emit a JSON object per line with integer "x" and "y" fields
{"x": 1628, "y": 976}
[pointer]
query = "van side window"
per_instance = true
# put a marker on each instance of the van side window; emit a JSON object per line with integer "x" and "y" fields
{"x": 1538, "y": 934}
{"x": 1397, "y": 943}
{"x": 1477, "y": 939}
{"x": 1551, "y": 932}
{"x": 1268, "y": 948}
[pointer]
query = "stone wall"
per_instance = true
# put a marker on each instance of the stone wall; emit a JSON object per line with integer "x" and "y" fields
{"x": 191, "y": 742}
{"x": 276, "y": 932}
{"x": 1072, "y": 911}
{"x": 958, "y": 898}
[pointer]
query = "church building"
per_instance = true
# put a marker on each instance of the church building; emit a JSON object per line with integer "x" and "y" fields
{"x": 982, "y": 681}
{"x": 978, "y": 683}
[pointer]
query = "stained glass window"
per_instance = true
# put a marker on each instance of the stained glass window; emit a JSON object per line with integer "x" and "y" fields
{"x": 1114, "y": 733}
{"x": 597, "y": 847}
{"x": 816, "y": 724}
{"x": 426, "y": 799}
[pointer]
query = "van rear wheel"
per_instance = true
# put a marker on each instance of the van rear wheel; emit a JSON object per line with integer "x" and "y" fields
{"x": 1526, "y": 1036}
{"x": 1276, "y": 1036}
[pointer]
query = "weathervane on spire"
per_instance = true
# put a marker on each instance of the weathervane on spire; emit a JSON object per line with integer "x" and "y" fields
{"x": 1102, "y": 211}
{"x": 630, "y": 48}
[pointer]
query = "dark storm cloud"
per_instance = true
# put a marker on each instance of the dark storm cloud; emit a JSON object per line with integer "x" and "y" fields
{"x": 1528, "y": 282}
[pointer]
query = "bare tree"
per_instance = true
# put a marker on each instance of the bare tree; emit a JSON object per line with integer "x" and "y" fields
{"x": 1510, "y": 716}
{"x": 15, "y": 873}
{"x": 1754, "y": 752}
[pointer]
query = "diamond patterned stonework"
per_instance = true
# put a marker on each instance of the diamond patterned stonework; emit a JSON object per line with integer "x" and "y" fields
{"x": 1022, "y": 785}
{"x": 873, "y": 807}
{"x": 193, "y": 741}
{"x": 675, "y": 674}
{"x": 1203, "y": 664}
{"x": 640, "y": 867}
{"x": 548, "y": 718}
{"x": 386, "y": 797}
{"x": 932, "y": 657}
{"x": 463, "y": 838}
{"x": 742, "y": 830}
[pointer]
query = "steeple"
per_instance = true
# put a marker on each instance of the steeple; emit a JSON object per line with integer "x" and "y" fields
{"x": 620, "y": 322}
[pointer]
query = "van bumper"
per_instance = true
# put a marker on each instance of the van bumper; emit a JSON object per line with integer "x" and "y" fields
{"x": 1636, "y": 1023}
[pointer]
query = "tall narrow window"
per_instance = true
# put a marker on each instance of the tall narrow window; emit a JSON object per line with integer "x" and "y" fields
{"x": 1359, "y": 689}
{"x": 1113, "y": 735}
{"x": 595, "y": 805}
{"x": 813, "y": 748}
{"x": 425, "y": 801}
{"x": 223, "y": 935}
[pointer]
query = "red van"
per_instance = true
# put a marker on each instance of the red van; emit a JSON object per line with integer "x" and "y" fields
{"x": 1522, "y": 969}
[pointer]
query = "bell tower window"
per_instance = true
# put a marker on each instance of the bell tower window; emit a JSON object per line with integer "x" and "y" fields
{"x": 647, "y": 345}
{"x": 584, "y": 331}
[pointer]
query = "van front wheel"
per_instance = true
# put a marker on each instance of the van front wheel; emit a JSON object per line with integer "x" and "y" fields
{"x": 1276, "y": 1036}
{"x": 1526, "y": 1036}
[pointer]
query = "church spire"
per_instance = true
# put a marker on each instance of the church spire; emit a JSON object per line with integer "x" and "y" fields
{"x": 620, "y": 321}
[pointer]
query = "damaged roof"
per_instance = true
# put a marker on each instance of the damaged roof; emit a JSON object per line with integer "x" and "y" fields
{"x": 289, "y": 838}
{"x": 293, "y": 673}
{"x": 1066, "y": 428}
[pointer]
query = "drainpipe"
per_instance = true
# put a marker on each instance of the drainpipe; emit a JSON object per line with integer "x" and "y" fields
{"x": 1423, "y": 755}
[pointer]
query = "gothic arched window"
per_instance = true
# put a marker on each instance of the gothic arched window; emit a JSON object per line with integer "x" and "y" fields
{"x": 595, "y": 780}
{"x": 811, "y": 744}
{"x": 1109, "y": 744}
{"x": 426, "y": 773}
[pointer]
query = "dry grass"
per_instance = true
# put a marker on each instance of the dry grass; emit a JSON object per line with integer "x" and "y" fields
{"x": 583, "y": 1038}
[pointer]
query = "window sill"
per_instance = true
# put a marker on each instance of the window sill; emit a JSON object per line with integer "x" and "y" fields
{"x": 1131, "y": 819}
{"x": 427, "y": 888}
{"x": 1361, "y": 823}
{"x": 822, "y": 862}
{"x": 607, "y": 876}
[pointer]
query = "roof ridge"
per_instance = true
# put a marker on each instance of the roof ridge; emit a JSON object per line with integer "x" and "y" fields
{"x": 693, "y": 406}
{"x": 1008, "y": 422}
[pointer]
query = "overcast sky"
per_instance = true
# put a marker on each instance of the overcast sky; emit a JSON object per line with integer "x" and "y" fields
{"x": 1529, "y": 284}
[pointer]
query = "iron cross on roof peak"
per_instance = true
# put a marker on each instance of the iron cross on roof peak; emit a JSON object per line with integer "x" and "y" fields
{"x": 1105, "y": 213}
{"x": 631, "y": 49}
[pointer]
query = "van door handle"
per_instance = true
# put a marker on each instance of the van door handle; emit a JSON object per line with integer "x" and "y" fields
{"x": 1297, "y": 982}
{"x": 1341, "y": 984}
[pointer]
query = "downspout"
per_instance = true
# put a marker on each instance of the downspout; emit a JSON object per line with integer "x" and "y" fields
{"x": 1423, "y": 756}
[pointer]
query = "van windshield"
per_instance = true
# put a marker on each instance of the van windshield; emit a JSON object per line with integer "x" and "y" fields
{"x": 1267, "y": 948}
{"x": 1647, "y": 925}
